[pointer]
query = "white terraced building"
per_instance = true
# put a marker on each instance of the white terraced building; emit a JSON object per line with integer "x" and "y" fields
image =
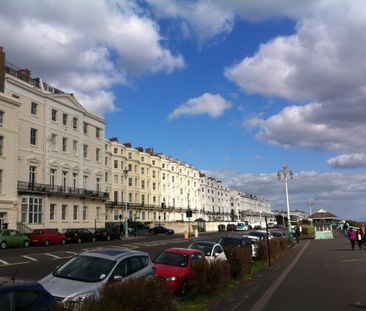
{"x": 57, "y": 170}
{"x": 215, "y": 199}
{"x": 53, "y": 156}
{"x": 251, "y": 209}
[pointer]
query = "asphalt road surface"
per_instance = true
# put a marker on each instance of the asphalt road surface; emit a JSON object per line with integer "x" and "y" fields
{"x": 36, "y": 262}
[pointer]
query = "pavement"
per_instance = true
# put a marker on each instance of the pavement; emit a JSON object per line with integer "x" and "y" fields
{"x": 312, "y": 275}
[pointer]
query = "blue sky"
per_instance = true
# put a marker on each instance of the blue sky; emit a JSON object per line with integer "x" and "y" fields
{"x": 236, "y": 88}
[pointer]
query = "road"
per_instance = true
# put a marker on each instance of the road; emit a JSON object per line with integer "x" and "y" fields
{"x": 312, "y": 275}
{"x": 36, "y": 262}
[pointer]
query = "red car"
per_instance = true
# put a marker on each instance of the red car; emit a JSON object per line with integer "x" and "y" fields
{"x": 47, "y": 237}
{"x": 174, "y": 266}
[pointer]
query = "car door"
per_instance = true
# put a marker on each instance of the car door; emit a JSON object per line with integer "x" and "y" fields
{"x": 218, "y": 253}
{"x": 132, "y": 267}
{"x": 12, "y": 238}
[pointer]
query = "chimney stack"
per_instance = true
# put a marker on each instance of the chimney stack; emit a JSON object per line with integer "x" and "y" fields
{"x": 2, "y": 70}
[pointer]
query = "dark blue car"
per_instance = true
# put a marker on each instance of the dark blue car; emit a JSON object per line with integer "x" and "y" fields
{"x": 25, "y": 296}
{"x": 161, "y": 230}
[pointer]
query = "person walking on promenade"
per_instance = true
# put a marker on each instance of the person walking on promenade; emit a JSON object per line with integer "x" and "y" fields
{"x": 352, "y": 237}
{"x": 359, "y": 238}
{"x": 363, "y": 230}
{"x": 297, "y": 234}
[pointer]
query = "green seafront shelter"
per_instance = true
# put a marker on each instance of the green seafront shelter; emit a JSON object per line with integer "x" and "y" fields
{"x": 322, "y": 222}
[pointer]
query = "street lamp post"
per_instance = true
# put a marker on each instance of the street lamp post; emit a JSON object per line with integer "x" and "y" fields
{"x": 309, "y": 203}
{"x": 125, "y": 173}
{"x": 285, "y": 174}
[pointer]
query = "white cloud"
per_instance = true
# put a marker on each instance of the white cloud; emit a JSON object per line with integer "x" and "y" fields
{"x": 355, "y": 160}
{"x": 341, "y": 194}
{"x": 85, "y": 46}
{"x": 321, "y": 69}
{"x": 212, "y": 105}
{"x": 98, "y": 101}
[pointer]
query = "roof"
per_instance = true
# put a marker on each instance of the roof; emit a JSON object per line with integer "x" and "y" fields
{"x": 186, "y": 251}
{"x": 111, "y": 254}
{"x": 322, "y": 214}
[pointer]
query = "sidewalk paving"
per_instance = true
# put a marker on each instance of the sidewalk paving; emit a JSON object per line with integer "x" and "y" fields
{"x": 326, "y": 275}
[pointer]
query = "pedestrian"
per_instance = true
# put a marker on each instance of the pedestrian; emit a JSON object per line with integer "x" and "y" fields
{"x": 359, "y": 237}
{"x": 297, "y": 234}
{"x": 363, "y": 230}
{"x": 352, "y": 237}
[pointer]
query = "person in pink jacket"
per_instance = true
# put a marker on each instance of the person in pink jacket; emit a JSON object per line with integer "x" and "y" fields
{"x": 352, "y": 237}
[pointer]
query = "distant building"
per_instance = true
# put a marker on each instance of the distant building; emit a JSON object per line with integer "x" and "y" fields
{"x": 249, "y": 208}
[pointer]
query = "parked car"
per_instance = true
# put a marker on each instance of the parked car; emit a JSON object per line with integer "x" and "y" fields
{"x": 79, "y": 235}
{"x": 13, "y": 238}
{"x": 107, "y": 234}
{"x": 241, "y": 226}
{"x": 23, "y": 295}
{"x": 161, "y": 230}
{"x": 131, "y": 230}
{"x": 228, "y": 242}
{"x": 174, "y": 265}
{"x": 221, "y": 227}
{"x": 213, "y": 251}
{"x": 234, "y": 241}
{"x": 230, "y": 227}
{"x": 262, "y": 235}
{"x": 85, "y": 274}
{"x": 257, "y": 227}
{"x": 47, "y": 237}
{"x": 279, "y": 234}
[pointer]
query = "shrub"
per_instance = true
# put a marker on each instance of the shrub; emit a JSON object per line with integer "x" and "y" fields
{"x": 198, "y": 281}
{"x": 209, "y": 278}
{"x": 307, "y": 230}
{"x": 218, "y": 275}
{"x": 276, "y": 246}
{"x": 134, "y": 294}
{"x": 240, "y": 260}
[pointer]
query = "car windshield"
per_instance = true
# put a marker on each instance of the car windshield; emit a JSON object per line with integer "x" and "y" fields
{"x": 229, "y": 242}
{"x": 206, "y": 248}
{"x": 172, "y": 259}
{"x": 37, "y": 231}
{"x": 85, "y": 269}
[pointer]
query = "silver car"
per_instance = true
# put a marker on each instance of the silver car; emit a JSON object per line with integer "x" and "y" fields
{"x": 85, "y": 274}
{"x": 213, "y": 251}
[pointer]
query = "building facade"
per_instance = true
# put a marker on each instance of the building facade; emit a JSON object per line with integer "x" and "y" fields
{"x": 249, "y": 208}
{"x": 215, "y": 199}
{"x": 57, "y": 170}
{"x": 9, "y": 135}
{"x": 60, "y": 154}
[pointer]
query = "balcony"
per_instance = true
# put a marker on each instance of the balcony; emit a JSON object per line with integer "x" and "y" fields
{"x": 141, "y": 206}
{"x": 43, "y": 189}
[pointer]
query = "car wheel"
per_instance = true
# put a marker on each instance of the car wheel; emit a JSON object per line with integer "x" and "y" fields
{"x": 46, "y": 243}
{"x": 108, "y": 238}
{"x": 63, "y": 242}
{"x": 26, "y": 243}
{"x": 3, "y": 245}
{"x": 79, "y": 240}
{"x": 184, "y": 289}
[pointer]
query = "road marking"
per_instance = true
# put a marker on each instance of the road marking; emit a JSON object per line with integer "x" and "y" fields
{"x": 52, "y": 255}
{"x": 262, "y": 302}
{"x": 30, "y": 258}
{"x": 5, "y": 263}
{"x": 72, "y": 253}
{"x": 352, "y": 260}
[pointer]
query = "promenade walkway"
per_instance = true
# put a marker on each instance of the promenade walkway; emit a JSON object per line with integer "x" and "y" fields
{"x": 313, "y": 275}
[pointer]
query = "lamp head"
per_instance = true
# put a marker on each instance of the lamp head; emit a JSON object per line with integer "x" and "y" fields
{"x": 279, "y": 175}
